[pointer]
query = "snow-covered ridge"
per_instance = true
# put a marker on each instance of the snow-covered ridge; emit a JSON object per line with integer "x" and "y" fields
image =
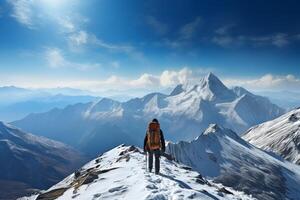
{"x": 281, "y": 136}
{"x": 120, "y": 174}
{"x": 222, "y": 155}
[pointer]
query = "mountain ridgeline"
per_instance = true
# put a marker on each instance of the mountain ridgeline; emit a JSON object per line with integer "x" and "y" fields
{"x": 98, "y": 126}
{"x": 120, "y": 174}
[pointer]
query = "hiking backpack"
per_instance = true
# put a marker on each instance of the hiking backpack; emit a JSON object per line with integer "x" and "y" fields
{"x": 153, "y": 136}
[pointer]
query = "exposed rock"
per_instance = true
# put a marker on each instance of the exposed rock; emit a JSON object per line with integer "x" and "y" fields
{"x": 51, "y": 195}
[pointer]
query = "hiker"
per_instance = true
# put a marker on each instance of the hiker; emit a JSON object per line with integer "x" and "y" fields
{"x": 154, "y": 143}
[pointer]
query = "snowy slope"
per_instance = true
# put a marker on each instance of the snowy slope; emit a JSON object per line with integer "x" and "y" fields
{"x": 188, "y": 110}
{"x": 221, "y": 154}
{"x": 28, "y": 161}
{"x": 120, "y": 174}
{"x": 281, "y": 135}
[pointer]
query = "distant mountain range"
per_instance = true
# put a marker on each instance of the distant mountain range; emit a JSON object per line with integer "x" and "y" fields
{"x": 16, "y": 103}
{"x": 31, "y": 162}
{"x": 220, "y": 154}
{"x": 281, "y": 136}
{"x": 97, "y": 126}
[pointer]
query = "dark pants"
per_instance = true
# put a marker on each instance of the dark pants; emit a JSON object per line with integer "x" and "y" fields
{"x": 150, "y": 163}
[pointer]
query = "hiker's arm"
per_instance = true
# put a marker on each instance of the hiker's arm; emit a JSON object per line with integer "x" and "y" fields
{"x": 162, "y": 139}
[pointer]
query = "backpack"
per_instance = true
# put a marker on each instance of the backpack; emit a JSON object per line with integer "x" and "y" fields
{"x": 153, "y": 136}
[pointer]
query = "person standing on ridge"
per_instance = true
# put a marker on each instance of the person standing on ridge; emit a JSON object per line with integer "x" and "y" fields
{"x": 154, "y": 144}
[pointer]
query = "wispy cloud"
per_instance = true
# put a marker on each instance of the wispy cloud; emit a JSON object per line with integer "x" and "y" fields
{"x": 225, "y": 41}
{"x": 185, "y": 34}
{"x": 158, "y": 26}
{"x": 56, "y": 59}
{"x": 81, "y": 39}
{"x": 268, "y": 82}
{"x": 190, "y": 29}
{"x": 70, "y": 25}
{"x": 66, "y": 24}
{"x": 225, "y": 38}
{"x": 22, "y": 11}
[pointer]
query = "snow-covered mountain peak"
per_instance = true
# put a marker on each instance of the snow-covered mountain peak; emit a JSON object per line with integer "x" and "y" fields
{"x": 121, "y": 174}
{"x": 211, "y": 88}
{"x": 215, "y": 130}
{"x": 212, "y": 128}
{"x": 210, "y": 77}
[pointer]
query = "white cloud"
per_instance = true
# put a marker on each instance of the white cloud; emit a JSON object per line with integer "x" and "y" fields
{"x": 144, "y": 82}
{"x": 56, "y": 59}
{"x": 79, "y": 38}
{"x": 66, "y": 24}
{"x": 159, "y": 27}
{"x": 268, "y": 82}
{"x": 167, "y": 78}
{"x": 171, "y": 78}
{"x": 32, "y": 13}
{"x": 190, "y": 29}
{"x": 22, "y": 11}
{"x": 280, "y": 40}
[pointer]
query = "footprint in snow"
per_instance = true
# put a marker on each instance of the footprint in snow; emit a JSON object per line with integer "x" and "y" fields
{"x": 97, "y": 196}
{"x": 120, "y": 189}
{"x": 156, "y": 197}
{"x": 157, "y": 180}
{"x": 151, "y": 187}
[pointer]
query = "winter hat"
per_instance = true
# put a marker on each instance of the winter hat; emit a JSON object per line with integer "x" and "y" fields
{"x": 155, "y": 120}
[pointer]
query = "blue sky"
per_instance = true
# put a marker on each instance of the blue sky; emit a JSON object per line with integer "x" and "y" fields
{"x": 110, "y": 44}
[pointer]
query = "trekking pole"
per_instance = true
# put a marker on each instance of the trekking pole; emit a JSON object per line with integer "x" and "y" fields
{"x": 146, "y": 161}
